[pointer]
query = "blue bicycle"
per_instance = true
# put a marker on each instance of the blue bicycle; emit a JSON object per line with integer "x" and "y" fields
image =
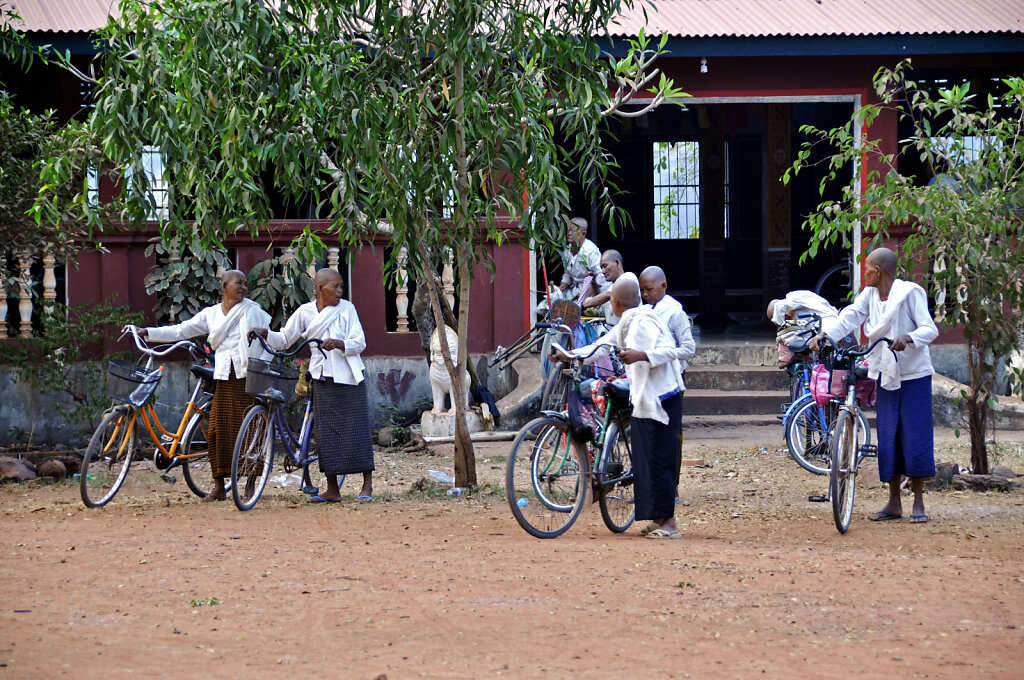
{"x": 272, "y": 383}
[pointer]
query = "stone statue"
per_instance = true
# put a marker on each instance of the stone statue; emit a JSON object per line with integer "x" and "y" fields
{"x": 440, "y": 381}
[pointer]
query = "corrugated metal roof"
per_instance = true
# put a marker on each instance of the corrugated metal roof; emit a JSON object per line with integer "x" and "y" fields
{"x": 690, "y": 18}
{"x": 774, "y": 18}
{"x": 63, "y": 16}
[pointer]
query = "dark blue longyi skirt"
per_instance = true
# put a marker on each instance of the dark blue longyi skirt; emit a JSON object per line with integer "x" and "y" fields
{"x": 905, "y": 430}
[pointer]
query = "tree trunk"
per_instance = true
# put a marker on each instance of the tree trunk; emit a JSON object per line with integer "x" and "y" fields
{"x": 465, "y": 459}
{"x": 977, "y": 408}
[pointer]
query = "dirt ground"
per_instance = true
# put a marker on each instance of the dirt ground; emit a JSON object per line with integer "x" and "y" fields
{"x": 420, "y": 584}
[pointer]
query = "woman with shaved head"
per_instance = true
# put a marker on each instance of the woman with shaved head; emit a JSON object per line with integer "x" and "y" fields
{"x": 226, "y": 325}
{"x": 889, "y": 307}
{"x": 645, "y": 345}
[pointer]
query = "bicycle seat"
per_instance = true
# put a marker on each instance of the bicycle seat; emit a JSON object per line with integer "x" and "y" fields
{"x": 800, "y": 346}
{"x": 860, "y": 372}
{"x": 202, "y": 372}
{"x": 618, "y": 390}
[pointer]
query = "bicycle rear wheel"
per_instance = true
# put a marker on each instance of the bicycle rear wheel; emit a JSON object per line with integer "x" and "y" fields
{"x": 617, "y": 496}
{"x": 108, "y": 457}
{"x": 835, "y": 284}
{"x": 253, "y": 457}
{"x": 545, "y": 482}
{"x": 556, "y": 390}
{"x": 197, "y": 470}
{"x": 807, "y": 435}
{"x": 843, "y": 476}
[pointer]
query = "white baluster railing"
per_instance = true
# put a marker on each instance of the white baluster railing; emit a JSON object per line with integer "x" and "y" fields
{"x": 448, "y": 278}
{"x": 25, "y": 304}
{"x": 402, "y": 293}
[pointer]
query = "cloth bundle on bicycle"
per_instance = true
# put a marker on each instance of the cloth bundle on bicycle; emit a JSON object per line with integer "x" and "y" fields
{"x": 583, "y": 419}
{"x": 790, "y": 332}
{"x": 826, "y": 385}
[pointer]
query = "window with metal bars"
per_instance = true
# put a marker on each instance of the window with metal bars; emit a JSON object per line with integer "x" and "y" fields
{"x": 676, "y": 181}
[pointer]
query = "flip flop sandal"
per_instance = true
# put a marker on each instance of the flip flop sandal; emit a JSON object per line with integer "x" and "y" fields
{"x": 883, "y": 516}
{"x": 364, "y": 499}
{"x": 664, "y": 533}
{"x": 319, "y": 499}
{"x": 919, "y": 519}
{"x": 653, "y": 526}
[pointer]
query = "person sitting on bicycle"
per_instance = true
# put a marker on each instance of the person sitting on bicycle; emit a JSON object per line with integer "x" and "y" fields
{"x": 653, "y": 289}
{"x": 611, "y": 267}
{"x": 655, "y": 379}
{"x": 893, "y": 308}
{"x": 341, "y": 417}
{"x": 225, "y": 325}
{"x": 580, "y": 260}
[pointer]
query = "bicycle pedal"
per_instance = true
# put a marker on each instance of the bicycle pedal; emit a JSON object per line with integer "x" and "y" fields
{"x": 869, "y": 451}
{"x": 170, "y": 479}
{"x": 818, "y": 499}
{"x": 311, "y": 490}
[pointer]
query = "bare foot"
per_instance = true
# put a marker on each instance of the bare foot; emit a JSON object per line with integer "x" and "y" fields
{"x": 210, "y": 497}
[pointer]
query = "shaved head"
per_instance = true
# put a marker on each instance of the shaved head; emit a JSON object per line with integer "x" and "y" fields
{"x": 231, "y": 274}
{"x": 885, "y": 260}
{"x": 626, "y": 290}
{"x": 325, "y": 276}
{"x": 654, "y": 274}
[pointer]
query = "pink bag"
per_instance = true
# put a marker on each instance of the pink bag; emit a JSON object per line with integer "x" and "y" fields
{"x": 820, "y": 389}
{"x": 822, "y": 392}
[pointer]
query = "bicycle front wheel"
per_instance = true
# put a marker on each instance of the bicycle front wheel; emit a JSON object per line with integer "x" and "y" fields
{"x": 617, "y": 499}
{"x": 194, "y": 458}
{"x": 843, "y": 476}
{"x": 253, "y": 457}
{"x": 545, "y": 481}
{"x": 108, "y": 457}
{"x": 807, "y": 435}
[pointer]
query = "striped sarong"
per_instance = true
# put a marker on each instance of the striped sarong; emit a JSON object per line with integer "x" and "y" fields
{"x": 341, "y": 423}
{"x": 230, "y": 404}
{"x": 905, "y": 430}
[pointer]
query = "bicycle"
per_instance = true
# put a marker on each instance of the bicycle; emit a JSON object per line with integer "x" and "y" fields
{"x": 845, "y": 447}
{"x": 806, "y": 423}
{"x": 272, "y": 383}
{"x": 555, "y": 459}
{"x": 112, "y": 446}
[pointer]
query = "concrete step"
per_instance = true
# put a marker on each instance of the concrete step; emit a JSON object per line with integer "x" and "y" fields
{"x": 738, "y": 402}
{"x": 733, "y": 420}
{"x": 732, "y": 378}
{"x": 736, "y": 354}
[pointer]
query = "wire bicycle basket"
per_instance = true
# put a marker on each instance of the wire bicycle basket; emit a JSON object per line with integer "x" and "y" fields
{"x": 271, "y": 380}
{"x": 132, "y": 383}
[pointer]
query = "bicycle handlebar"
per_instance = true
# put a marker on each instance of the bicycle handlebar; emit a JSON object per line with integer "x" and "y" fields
{"x": 190, "y": 345}
{"x": 862, "y": 352}
{"x": 612, "y": 349}
{"x": 853, "y": 353}
{"x": 277, "y": 353}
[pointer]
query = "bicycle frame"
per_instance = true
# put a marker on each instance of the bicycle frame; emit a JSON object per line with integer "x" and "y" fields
{"x": 148, "y": 412}
{"x": 292, "y": 445}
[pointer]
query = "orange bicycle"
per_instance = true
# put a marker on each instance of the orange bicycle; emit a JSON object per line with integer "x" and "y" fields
{"x": 113, "y": 446}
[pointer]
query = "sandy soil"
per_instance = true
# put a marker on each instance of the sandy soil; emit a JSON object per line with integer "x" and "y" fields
{"x": 419, "y": 584}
